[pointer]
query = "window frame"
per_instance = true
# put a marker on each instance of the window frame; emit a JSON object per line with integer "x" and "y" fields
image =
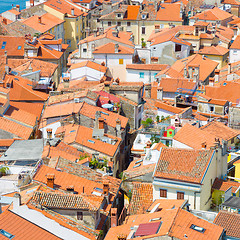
{"x": 180, "y": 195}
{"x": 163, "y": 193}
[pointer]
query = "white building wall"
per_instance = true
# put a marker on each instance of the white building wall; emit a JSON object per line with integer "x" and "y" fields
{"x": 54, "y": 126}
{"x": 91, "y": 74}
{"x": 234, "y": 55}
{"x": 177, "y": 144}
{"x": 10, "y": 16}
{"x": 113, "y": 59}
{"x": 164, "y": 113}
{"x": 133, "y": 75}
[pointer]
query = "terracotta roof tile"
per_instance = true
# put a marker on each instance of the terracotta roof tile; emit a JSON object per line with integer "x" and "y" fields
{"x": 190, "y": 165}
{"x": 212, "y": 15}
{"x": 182, "y": 226}
{"x": 230, "y": 222}
{"x": 161, "y": 105}
{"x": 142, "y": 197}
{"x": 109, "y": 48}
{"x": 214, "y": 50}
{"x": 236, "y": 43}
{"x": 220, "y": 130}
{"x": 132, "y": 12}
{"x": 151, "y": 67}
{"x": 222, "y": 185}
{"x": 15, "y": 128}
{"x": 169, "y": 12}
{"x": 89, "y": 64}
{"x": 47, "y": 22}
{"x": 13, "y": 45}
{"x": 194, "y": 137}
{"x": 20, "y": 228}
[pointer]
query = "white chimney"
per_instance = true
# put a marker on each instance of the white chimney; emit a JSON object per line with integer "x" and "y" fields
{"x": 116, "y": 48}
{"x": 72, "y": 11}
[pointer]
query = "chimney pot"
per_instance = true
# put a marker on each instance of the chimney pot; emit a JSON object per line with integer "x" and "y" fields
{"x": 122, "y": 237}
{"x": 100, "y": 123}
{"x": 50, "y": 180}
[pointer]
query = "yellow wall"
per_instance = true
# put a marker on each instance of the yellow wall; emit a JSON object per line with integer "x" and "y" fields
{"x": 218, "y": 196}
{"x": 70, "y": 27}
{"x": 237, "y": 171}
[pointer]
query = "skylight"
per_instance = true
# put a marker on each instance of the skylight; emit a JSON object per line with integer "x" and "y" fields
{"x": 91, "y": 141}
{"x": 19, "y": 47}
{"x": 6, "y": 234}
{"x": 4, "y": 45}
{"x": 197, "y": 228}
{"x": 138, "y": 165}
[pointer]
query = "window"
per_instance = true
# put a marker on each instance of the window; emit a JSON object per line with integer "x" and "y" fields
{"x": 199, "y": 229}
{"x": 141, "y": 75}
{"x": 128, "y": 24}
{"x": 235, "y": 52}
{"x": 232, "y": 140}
{"x": 109, "y": 24}
{"x": 178, "y": 48}
{"x": 143, "y": 30}
{"x": 155, "y": 75}
{"x": 69, "y": 42}
{"x": 4, "y": 45}
{"x": 121, "y": 61}
{"x": 119, "y": 15}
{"x": 161, "y": 25}
{"x": 119, "y": 23}
{"x": 84, "y": 50}
{"x": 79, "y": 215}
{"x": 19, "y": 47}
{"x": 180, "y": 195}
{"x": 211, "y": 109}
{"x": 6, "y": 234}
{"x": 163, "y": 193}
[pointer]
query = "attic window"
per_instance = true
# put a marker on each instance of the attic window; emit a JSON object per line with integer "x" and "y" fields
{"x": 119, "y": 15}
{"x": 6, "y": 234}
{"x": 19, "y": 47}
{"x": 197, "y": 228}
{"x": 91, "y": 141}
{"x": 4, "y": 45}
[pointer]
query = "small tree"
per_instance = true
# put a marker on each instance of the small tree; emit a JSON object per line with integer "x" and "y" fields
{"x": 143, "y": 43}
{"x": 157, "y": 118}
{"x": 4, "y": 170}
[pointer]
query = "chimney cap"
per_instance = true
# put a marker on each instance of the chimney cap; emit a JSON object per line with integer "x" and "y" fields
{"x": 50, "y": 176}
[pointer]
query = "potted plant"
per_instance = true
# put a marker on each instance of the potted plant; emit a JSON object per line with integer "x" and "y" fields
{"x": 4, "y": 170}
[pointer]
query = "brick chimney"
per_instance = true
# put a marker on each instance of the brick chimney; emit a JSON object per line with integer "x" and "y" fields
{"x": 148, "y": 144}
{"x": 106, "y": 187}
{"x": 211, "y": 81}
{"x": 31, "y": 3}
{"x": 100, "y": 123}
{"x": 40, "y": 19}
{"x": 122, "y": 237}
{"x": 70, "y": 188}
{"x": 4, "y": 21}
{"x": 204, "y": 145}
{"x": 66, "y": 82}
{"x": 50, "y": 180}
{"x": 113, "y": 217}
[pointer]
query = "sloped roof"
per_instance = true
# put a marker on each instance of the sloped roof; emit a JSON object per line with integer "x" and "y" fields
{"x": 21, "y": 228}
{"x": 236, "y": 43}
{"x": 89, "y": 64}
{"x": 212, "y": 15}
{"x": 183, "y": 164}
{"x": 109, "y": 48}
{"x": 194, "y": 137}
{"x": 169, "y": 12}
{"x": 221, "y": 185}
{"x": 13, "y": 45}
{"x": 214, "y": 50}
{"x": 220, "y": 130}
{"x": 150, "y": 67}
{"x": 230, "y": 222}
{"x": 48, "y": 21}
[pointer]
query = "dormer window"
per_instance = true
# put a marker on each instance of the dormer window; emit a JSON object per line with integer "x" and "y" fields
{"x": 119, "y": 15}
{"x": 144, "y": 16}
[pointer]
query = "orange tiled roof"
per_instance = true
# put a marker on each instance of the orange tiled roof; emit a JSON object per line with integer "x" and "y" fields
{"x": 167, "y": 107}
{"x": 170, "y": 72}
{"x": 182, "y": 226}
{"x": 22, "y": 90}
{"x": 175, "y": 84}
{"x": 206, "y": 65}
{"x": 214, "y": 50}
{"x": 236, "y": 43}
{"x": 132, "y": 12}
{"x": 183, "y": 164}
{"x": 109, "y": 48}
{"x": 159, "y": 145}
{"x": 169, "y": 12}
{"x": 15, "y": 128}
{"x": 151, "y": 67}
{"x": 230, "y": 222}
{"x": 222, "y": 185}
{"x": 83, "y": 136}
{"x": 89, "y": 64}
{"x": 212, "y": 15}
{"x": 21, "y": 228}
{"x": 123, "y": 37}
{"x": 21, "y": 116}
{"x": 65, "y": 7}
{"x": 6, "y": 142}
{"x": 13, "y": 45}
{"x": 142, "y": 197}
{"x": 225, "y": 91}
{"x": 220, "y": 130}
{"x": 167, "y": 204}
{"x": 194, "y": 137}
{"x": 47, "y": 22}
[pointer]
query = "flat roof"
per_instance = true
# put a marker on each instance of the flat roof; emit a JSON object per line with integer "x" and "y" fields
{"x": 24, "y": 150}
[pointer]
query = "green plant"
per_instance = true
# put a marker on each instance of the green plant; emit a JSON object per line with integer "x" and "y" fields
{"x": 157, "y": 118}
{"x": 155, "y": 139}
{"x": 143, "y": 43}
{"x": 4, "y": 170}
{"x": 147, "y": 122}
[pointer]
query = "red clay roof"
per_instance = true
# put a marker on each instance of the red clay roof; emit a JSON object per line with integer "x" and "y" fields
{"x": 109, "y": 48}
{"x": 89, "y": 64}
{"x": 236, "y": 43}
{"x": 20, "y": 228}
{"x": 47, "y": 22}
{"x": 13, "y": 45}
{"x": 169, "y": 12}
{"x": 182, "y": 164}
{"x": 222, "y": 185}
{"x": 147, "y": 67}
{"x": 230, "y": 222}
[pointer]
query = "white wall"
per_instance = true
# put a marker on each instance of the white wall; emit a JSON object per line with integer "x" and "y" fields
{"x": 234, "y": 55}
{"x": 113, "y": 59}
{"x": 133, "y": 75}
{"x": 177, "y": 144}
{"x": 164, "y": 113}
{"x": 54, "y": 126}
{"x": 90, "y": 73}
